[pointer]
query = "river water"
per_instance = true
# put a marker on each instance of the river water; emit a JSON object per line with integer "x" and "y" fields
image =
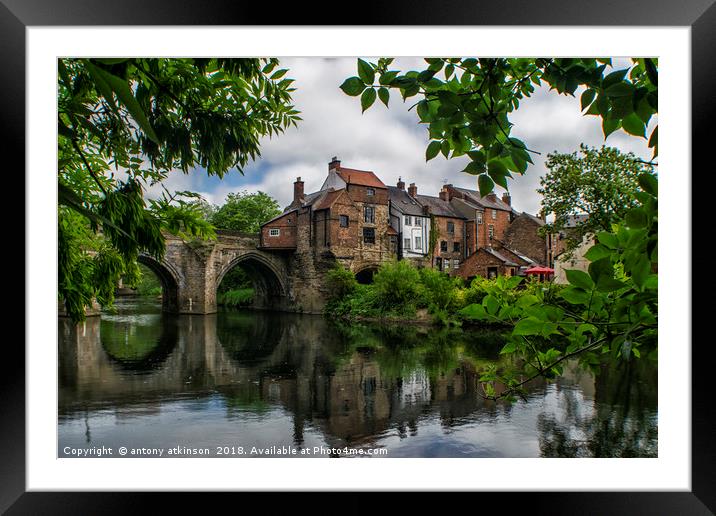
{"x": 254, "y": 384}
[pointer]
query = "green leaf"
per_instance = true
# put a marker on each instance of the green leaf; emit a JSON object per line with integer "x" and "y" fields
{"x": 607, "y": 284}
{"x": 609, "y": 126}
{"x": 610, "y": 240}
{"x": 474, "y": 168}
{"x": 352, "y": 86}
{"x": 496, "y": 167}
{"x": 620, "y": 89}
{"x": 575, "y": 295}
{"x": 528, "y": 326}
{"x": 601, "y": 269}
{"x": 634, "y": 125}
{"x": 649, "y": 183}
{"x": 587, "y": 98}
{"x": 432, "y": 150}
{"x": 474, "y": 311}
{"x": 527, "y": 300}
{"x": 387, "y": 78}
{"x": 366, "y": 72}
{"x": 384, "y": 96}
{"x": 485, "y": 184}
{"x": 367, "y": 98}
{"x": 636, "y": 218}
{"x": 579, "y": 279}
{"x": 491, "y": 304}
{"x": 614, "y": 78}
{"x": 597, "y": 252}
{"x": 125, "y": 96}
{"x": 278, "y": 74}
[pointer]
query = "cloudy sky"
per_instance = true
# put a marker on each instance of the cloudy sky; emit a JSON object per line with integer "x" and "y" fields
{"x": 390, "y": 142}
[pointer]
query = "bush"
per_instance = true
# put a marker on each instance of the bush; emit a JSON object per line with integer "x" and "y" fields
{"x": 341, "y": 282}
{"x": 235, "y": 298}
{"x": 397, "y": 285}
{"x": 440, "y": 291}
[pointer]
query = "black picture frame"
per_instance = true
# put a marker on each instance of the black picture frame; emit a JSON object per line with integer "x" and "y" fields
{"x": 700, "y": 15}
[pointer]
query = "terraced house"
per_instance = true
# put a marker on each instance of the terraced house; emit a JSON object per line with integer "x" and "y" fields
{"x": 355, "y": 219}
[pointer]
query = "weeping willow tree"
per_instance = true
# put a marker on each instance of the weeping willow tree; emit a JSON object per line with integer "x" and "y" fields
{"x": 125, "y": 124}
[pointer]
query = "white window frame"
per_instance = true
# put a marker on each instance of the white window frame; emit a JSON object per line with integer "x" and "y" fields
{"x": 406, "y": 220}
{"x": 455, "y": 263}
{"x": 406, "y": 244}
{"x": 370, "y": 191}
{"x": 418, "y": 243}
{"x": 479, "y": 217}
{"x": 494, "y": 214}
{"x": 274, "y": 232}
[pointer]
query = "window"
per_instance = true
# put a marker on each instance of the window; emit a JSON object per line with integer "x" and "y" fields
{"x": 274, "y": 232}
{"x": 456, "y": 247}
{"x": 288, "y": 220}
{"x": 479, "y": 217}
{"x": 369, "y": 235}
{"x": 417, "y": 221}
{"x": 343, "y": 220}
{"x": 406, "y": 244}
{"x": 407, "y": 220}
{"x": 439, "y": 263}
{"x": 369, "y": 214}
{"x": 418, "y": 243}
{"x": 491, "y": 231}
{"x": 455, "y": 264}
{"x": 451, "y": 228}
{"x": 370, "y": 191}
{"x": 494, "y": 214}
{"x": 443, "y": 246}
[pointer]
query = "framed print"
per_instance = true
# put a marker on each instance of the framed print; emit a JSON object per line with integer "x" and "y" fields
{"x": 283, "y": 390}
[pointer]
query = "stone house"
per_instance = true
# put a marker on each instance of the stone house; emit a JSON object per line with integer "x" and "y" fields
{"x": 346, "y": 220}
{"x": 411, "y": 222}
{"x": 447, "y": 231}
{"x": 489, "y": 263}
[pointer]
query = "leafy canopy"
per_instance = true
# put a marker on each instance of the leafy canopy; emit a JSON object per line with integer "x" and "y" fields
{"x": 127, "y": 123}
{"x": 466, "y": 103}
{"x": 602, "y": 183}
{"x": 245, "y": 211}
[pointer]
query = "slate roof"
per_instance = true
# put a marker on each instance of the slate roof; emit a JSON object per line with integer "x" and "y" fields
{"x": 498, "y": 256}
{"x": 360, "y": 177}
{"x": 438, "y": 207}
{"x": 483, "y": 202}
{"x": 402, "y": 201}
{"x": 532, "y": 217}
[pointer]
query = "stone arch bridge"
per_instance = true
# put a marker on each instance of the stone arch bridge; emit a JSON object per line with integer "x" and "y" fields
{"x": 190, "y": 273}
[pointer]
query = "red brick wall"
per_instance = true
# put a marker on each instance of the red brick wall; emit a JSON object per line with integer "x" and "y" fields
{"x": 522, "y": 235}
{"x": 360, "y": 194}
{"x": 287, "y": 229}
{"x": 501, "y": 223}
{"x": 478, "y": 263}
{"x": 443, "y": 235}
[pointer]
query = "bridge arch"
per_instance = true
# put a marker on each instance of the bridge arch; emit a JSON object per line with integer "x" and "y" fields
{"x": 270, "y": 283}
{"x": 169, "y": 278}
{"x": 364, "y": 273}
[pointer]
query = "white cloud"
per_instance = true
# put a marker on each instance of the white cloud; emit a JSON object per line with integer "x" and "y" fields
{"x": 392, "y": 143}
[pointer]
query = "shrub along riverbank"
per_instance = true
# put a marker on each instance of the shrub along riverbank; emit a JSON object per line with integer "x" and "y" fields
{"x": 400, "y": 292}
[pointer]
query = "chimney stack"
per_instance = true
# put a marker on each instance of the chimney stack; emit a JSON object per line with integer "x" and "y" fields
{"x": 413, "y": 190}
{"x": 334, "y": 164}
{"x": 507, "y": 199}
{"x": 401, "y": 184}
{"x": 491, "y": 196}
{"x": 444, "y": 194}
{"x": 297, "y": 190}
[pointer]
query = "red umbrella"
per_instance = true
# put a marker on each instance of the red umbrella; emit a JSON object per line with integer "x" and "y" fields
{"x": 539, "y": 270}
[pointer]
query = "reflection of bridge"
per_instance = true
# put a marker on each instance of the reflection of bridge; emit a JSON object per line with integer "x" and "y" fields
{"x": 190, "y": 273}
{"x": 302, "y": 366}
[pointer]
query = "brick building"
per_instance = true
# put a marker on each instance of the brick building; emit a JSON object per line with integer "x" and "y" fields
{"x": 448, "y": 226}
{"x": 346, "y": 220}
{"x": 411, "y": 223}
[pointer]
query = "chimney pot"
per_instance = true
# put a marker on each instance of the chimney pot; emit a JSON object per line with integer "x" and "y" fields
{"x": 507, "y": 199}
{"x": 334, "y": 164}
{"x": 444, "y": 194}
{"x": 297, "y": 190}
{"x": 413, "y": 190}
{"x": 401, "y": 183}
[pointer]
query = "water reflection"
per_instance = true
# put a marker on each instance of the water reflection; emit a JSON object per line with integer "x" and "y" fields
{"x": 142, "y": 378}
